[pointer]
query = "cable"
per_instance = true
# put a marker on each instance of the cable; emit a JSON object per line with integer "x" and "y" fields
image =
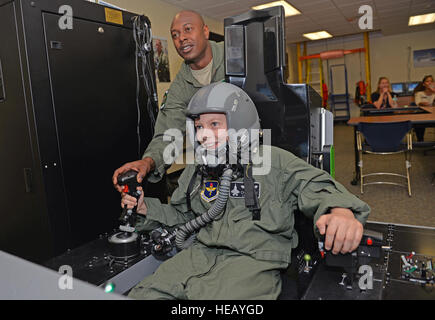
{"x": 142, "y": 36}
{"x": 184, "y": 237}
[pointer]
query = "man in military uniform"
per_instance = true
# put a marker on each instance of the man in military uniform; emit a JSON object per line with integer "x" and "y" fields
{"x": 203, "y": 64}
{"x": 238, "y": 252}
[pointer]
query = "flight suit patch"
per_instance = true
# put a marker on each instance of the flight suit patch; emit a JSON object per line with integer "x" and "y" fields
{"x": 165, "y": 97}
{"x": 210, "y": 191}
{"x": 237, "y": 190}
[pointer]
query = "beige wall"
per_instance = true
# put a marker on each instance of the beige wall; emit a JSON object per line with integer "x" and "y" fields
{"x": 389, "y": 57}
{"x": 161, "y": 14}
{"x": 292, "y": 64}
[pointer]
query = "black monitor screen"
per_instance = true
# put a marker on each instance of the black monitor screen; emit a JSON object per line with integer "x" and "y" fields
{"x": 235, "y": 50}
{"x": 397, "y": 87}
{"x": 411, "y": 86}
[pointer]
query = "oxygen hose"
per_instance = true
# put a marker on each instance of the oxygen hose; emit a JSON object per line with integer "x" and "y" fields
{"x": 213, "y": 213}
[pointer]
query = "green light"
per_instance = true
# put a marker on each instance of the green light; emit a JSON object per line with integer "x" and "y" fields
{"x": 109, "y": 287}
{"x": 411, "y": 270}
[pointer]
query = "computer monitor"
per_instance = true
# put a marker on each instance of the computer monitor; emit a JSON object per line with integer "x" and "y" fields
{"x": 398, "y": 88}
{"x": 411, "y": 86}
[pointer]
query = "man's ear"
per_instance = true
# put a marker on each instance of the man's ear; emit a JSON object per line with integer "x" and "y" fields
{"x": 206, "y": 31}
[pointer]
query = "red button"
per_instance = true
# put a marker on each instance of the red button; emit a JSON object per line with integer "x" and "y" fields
{"x": 125, "y": 189}
{"x": 369, "y": 241}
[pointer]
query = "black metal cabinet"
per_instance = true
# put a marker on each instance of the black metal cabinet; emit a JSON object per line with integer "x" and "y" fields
{"x": 69, "y": 118}
{"x": 22, "y": 215}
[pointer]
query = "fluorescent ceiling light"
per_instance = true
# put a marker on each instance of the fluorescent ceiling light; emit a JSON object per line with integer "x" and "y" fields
{"x": 289, "y": 10}
{"x": 317, "y": 35}
{"x": 421, "y": 19}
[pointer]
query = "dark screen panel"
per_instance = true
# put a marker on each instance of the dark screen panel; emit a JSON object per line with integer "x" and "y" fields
{"x": 271, "y": 44}
{"x": 235, "y": 51}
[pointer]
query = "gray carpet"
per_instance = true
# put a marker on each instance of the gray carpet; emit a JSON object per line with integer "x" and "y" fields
{"x": 389, "y": 203}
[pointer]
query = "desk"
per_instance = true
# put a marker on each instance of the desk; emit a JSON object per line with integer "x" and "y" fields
{"x": 421, "y": 118}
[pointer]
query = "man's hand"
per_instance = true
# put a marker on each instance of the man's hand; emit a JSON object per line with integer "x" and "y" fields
{"x": 141, "y": 166}
{"x": 130, "y": 202}
{"x": 341, "y": 229}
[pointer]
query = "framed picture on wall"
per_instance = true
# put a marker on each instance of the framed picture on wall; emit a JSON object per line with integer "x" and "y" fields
{"x": 424, "y": 58}
{"x": 161, "y": 60}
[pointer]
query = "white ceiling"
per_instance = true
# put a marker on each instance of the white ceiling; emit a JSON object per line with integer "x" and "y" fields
{"x": 338, "y": 17}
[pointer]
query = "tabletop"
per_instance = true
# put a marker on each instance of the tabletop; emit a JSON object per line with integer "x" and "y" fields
{"x": 414, "y": 118}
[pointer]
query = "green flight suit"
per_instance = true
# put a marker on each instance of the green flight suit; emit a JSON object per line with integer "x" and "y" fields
{"x": 172, "y": 112}
{"x": 235, "y": 257}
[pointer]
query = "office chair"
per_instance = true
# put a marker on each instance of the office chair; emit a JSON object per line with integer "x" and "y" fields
{"x": 426, "y": 146}
{"x": 385, "y": 139}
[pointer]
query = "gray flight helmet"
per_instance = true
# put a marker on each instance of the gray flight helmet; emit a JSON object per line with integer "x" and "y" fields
{"x": 222, "y": 97}
{"x": 241, "y": 113}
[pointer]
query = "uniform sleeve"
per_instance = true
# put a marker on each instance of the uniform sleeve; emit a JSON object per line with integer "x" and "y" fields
{"x": 170, "y": 215}
{"x": 315, "y": 192}
{"x": 165, "y": 214}
{"x": 159, "y": 215}
{"x": 144, "y": 224}
{"x": 172, "y": 115}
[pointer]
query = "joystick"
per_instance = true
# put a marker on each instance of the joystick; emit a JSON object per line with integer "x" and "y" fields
{"x": 125, "y": 244}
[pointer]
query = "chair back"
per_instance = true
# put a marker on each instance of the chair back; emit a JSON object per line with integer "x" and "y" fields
{"x": 384, "y": 137}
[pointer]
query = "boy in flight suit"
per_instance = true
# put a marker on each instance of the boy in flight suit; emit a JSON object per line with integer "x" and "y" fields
{"x": 238, "y": 251}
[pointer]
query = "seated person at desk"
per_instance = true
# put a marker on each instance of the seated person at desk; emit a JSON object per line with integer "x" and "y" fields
{"x": 239, "y": 251}
{"x": 384, "y": 97}
{"x": 424, "y": 96}
{"x": 424, "y": 93}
